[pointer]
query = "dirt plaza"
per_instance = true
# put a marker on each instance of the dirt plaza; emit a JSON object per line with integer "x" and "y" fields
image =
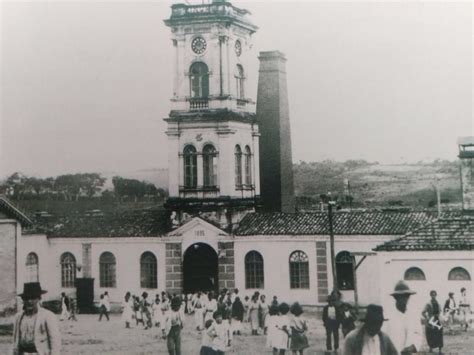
{"x": 88, "y": 336}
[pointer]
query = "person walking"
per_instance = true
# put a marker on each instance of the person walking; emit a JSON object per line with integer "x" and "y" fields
{"x": 404, "y": 327}
{"x": 450, "y": 309}
{"x": 35, "y": 330}
{"x": 464, "y": 309}
{"x": 103, "y": 308}
{"x": 332, "y": 321}
{"x": 299, "y": 327}
{"x": 65, "y": 306}
{"x": 369, "y": 339}
{"x": 173, "y": 326}
{"x": 433, "y": 328}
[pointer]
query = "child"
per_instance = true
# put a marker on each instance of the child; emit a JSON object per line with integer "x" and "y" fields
{"x": 347, "y": 319}
{"x": 156, "y": 311}
{"x": 127, "y": 310}
{"x": 173, "y": 326}
{"x": 103, "y": 308}
{"x": 280, "y": 343}
{"x": 206, "y": 344}
{"x": 298, "y": 326}
{"x": 137, "y": 310}
{"x": 270, "y": 323}
{"x": 219, "y": 334}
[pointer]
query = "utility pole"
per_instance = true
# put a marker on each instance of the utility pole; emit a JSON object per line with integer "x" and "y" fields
{"x": 331, "y": 239}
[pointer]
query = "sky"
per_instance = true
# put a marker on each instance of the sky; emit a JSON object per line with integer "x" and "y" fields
{"x": 85, "y": 85}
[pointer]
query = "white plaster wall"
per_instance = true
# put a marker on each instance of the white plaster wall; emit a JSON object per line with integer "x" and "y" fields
{"x": 127, "y": 252}
{"x": 436, "y": 267}
{"x": 276, "y": 255}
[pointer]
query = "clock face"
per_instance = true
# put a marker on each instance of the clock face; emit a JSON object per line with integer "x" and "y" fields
{"x": 238, "y": 48}
{"x": 198, "y": 45}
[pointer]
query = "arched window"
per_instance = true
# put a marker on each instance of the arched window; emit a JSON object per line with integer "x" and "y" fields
{"x": 32, "y": 267}
{"x": 414, "y": 274}
{"x": 345, "y": 275}
{"x": 107, "y": 269}
{"x": 209, "y": 161}
{"x": 148, "y": 270}
{"x": 190, "y": 166}
{"x": 254, "y": 270}
{"x": 240, "y": 78}
{"x": 238, "y": 166}
{"x": 248, "y": 166}
{"x": 199, "y": 76}
{"x": 68, "y": 270}
{"x": 459, "y": 274}
{"x": 299, "y": 270}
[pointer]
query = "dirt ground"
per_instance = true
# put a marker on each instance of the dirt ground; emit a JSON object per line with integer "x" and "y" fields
{"x": 88, "y": 336}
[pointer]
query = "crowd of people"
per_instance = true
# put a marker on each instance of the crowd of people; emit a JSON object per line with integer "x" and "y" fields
{"x": 218, "y": 318}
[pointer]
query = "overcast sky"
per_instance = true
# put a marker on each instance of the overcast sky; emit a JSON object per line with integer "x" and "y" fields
{"x": 85, "y": 85}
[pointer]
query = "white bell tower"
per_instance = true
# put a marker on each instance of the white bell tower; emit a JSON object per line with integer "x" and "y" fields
{"x": 212, "y": 130}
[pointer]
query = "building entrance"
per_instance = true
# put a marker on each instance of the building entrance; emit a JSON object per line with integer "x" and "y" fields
{"x": 200, "y": 268}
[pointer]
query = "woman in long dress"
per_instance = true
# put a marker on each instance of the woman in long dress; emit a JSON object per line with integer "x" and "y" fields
{"x": 127, "y": 314}
{"x": 434, "y": 330}
{"x": 211, "y": 307}
{"x": 254, "y": 307}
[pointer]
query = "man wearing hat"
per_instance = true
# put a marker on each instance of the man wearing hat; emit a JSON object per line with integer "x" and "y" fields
{"x": 368, "y": 339}
{"x": 36, "y": 329}
{"x": 404, "y": 328}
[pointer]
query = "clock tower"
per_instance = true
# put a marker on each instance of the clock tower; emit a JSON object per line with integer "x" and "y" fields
{"x": 212, "y": 131}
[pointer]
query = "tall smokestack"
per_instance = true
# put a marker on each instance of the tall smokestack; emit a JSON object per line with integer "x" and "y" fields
{"x": 276, "y": 166}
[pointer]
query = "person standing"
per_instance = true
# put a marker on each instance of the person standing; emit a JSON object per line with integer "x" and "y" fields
{"x": 65, "y": 306}
{"x": 219, "y": 333}
{"x": 253, "y": 314}
{"x": 348, "y": 319}
{"x": 464, "y": 309}
{"x": 127, "y": 313}
{"x": 404, "y": 327}
{"x": 298, "y": 325}
{"x": 173, "y": 326}
{"x": 35, "y": 329}
{"x": 211, "y": 306}
{"x": 331, "y": 321}
{"x": 450, "y": 309}
{"x": 198, "y": 307}
{"x": 433, "y": 328}
{"x": 369, "y": 339}
{"x": 262, "y": 313}
{"x": 282, "y": 333}
{"x": 237, "y": 316}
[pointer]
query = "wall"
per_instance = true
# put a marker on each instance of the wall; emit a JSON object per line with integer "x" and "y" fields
{"x": 9, "y": 229}
{"x": 435, "y": 265}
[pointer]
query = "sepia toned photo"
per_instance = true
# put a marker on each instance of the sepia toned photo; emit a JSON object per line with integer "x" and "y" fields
{"x": 234, "y": 177}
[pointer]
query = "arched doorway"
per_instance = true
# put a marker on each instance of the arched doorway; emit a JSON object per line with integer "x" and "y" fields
{"x": 200, "y": 268}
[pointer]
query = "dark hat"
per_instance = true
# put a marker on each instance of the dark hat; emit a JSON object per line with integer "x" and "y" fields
{"x": 374, "y": 314}
{"x": 32, "y": 290}
{"x": 401, "y": 288}
{"x": 296, "y": 309}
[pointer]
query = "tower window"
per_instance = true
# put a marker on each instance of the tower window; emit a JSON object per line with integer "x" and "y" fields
{"x": 238, "y": 166}
{"x": 248, "y": 165}
{"x": 199, "y": 76}
{"x": 190, "y": 167}
{"x": 240, "y": 78}
{"x": 209, "y": 160}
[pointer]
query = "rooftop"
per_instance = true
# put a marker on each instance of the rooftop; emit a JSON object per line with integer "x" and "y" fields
{"x": 443, "y": 234}
{"x": 345, "y": 223}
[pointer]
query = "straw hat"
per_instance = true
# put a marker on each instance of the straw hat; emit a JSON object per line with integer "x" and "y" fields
{"x": 401, "y": 288}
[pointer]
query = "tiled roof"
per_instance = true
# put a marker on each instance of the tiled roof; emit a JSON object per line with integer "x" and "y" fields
{"x": 132, "y": 223}
{"x": 14, "y": 212}
{"x": 443, "y": 234}
{"x": 345, "y": 223}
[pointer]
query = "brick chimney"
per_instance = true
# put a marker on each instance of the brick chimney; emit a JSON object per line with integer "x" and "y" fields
{"x": 466, "y": 158}
{"x": 276, "y": 166}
